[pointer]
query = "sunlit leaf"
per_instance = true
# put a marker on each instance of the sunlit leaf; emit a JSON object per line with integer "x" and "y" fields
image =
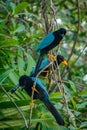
{"x": 21, "y": 6}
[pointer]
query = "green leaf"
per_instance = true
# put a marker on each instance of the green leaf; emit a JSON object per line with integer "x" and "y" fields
{"x": 5, "y": 75}
{"x": 21, "y": 6}
{"x": 73, "y": 86}
{"x": 20, "y": 62}
{"x": 9, "y": 42}
{"x": 30, "y": 64}
{"x": 20, "y": 28}
{"x": 83, "y": 124}
{"x": 13, "y": 77}
{"x": 83, "y": 93}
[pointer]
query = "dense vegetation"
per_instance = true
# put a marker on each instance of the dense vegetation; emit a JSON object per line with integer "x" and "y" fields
{"x": 23, "y": 24}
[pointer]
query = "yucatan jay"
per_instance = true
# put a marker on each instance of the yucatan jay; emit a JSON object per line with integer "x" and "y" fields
{"x": 59, "y": 59}
{"x": 26, "y": 82}
{"x": 50, "y": 41}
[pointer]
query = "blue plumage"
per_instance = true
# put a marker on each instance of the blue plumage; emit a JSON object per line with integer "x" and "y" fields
{"x": 46, "y": 41}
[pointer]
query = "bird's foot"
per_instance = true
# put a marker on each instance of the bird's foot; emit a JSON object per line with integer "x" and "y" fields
{"x": 32, "y": 103}
{"x": 52, "y": 56}
{"x": 60, "y": 42}
{"x": 45, "y": 71}
{"x": 34, "y": 89}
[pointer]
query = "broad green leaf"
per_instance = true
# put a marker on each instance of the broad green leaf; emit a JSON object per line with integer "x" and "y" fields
{"x": 13, "y": 77}
{"x": 5, "y": 75}
{"x": 84, "y": 125}
{"x": 73, "y": 86}
{"x": 20, "y": 28}
{"x": 73, "y": 102}
{"x": 9, "y": 42}
{"x": 20, "y": 62}
{"x": 21, "y": 6}
{"x": 30, "y": 64}
{"x": 83, "y": 93}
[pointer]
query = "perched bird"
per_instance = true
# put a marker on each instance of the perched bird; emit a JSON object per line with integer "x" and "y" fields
{"x": 50, "y": 41}
{"x": 59, "y": 60}
{"x": 26, "y": 82}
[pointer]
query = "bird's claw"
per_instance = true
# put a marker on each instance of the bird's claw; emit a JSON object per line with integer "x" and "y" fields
{"x": 52, "y": 56}
{"x": 60, "y": 42}
{"x": 34, "y": 89}
{"x": 32, "y": 103}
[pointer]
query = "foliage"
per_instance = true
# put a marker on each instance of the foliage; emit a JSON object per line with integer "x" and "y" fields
{"x": 22, "y": 26}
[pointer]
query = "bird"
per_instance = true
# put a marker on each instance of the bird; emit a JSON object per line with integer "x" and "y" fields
{"x": 59, "y": 60}
{"x": 27, "y": 82}
{"x": 50, "y": 41}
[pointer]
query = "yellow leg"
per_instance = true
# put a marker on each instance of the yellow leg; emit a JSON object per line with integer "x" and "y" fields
{"x": 32, "y": 103}
{"x": 52, "y": 56}
{"x": 45, "y": 71}
{"x": 60, "y": 42}
{"x": 34, "y": 89}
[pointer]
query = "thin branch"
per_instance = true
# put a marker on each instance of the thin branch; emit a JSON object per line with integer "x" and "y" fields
{"x": 19, "y": 110}
{"x": 80, "y": 54}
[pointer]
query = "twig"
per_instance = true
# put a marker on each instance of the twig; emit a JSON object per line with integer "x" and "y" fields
{"x": 80, "y": 54}
{"x": 19, "y": 110}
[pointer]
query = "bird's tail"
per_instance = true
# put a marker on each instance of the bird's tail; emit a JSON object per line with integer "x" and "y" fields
{"x": 54, "y": 112}
{"x": 38, "y": 65}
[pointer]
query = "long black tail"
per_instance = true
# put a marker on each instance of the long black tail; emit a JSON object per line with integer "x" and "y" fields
{"x": 38, "y": 65}
{"x": 54, "y": 112}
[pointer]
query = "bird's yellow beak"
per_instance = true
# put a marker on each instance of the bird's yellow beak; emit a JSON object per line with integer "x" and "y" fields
{"x": 64, "y": 62}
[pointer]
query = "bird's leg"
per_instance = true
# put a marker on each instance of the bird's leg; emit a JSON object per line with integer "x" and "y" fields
{"x": 52, "y": 56}
{"x": 45, "y": 71}
{"x": 32, "y": 103}
{"x": 60, "y": 42}
{"x": 34, "y": 89}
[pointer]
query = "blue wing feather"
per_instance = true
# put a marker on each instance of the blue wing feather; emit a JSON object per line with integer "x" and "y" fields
{"x": 46, "y": 41}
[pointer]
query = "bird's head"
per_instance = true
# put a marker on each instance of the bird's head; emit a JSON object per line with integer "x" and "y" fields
{"x": 23, "y": 81}
{"x": 62, "y": 32}
{"x": 60, "y": 59}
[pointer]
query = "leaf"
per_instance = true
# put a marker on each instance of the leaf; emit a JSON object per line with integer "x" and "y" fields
{"x": 83, "y": 93}
{"x": 5, "y": 75}
{"x": 9, "y": 42}
{"x": 20, "y": 62}
{"x": 73, "y": 101}
{"x": 13, "y": 77}
{"x": 73, "y": 86}
{"x": 83, "y": 124}
{"x": 20, "y": 28}
{"x": 21, "y": 6}
{"x": 30, "y": 63}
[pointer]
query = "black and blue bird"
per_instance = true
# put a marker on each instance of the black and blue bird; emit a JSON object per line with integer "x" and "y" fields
{"x": 50, "y": 41}
{"x": 59, "y": 60}
{"x": 26, "y": 82}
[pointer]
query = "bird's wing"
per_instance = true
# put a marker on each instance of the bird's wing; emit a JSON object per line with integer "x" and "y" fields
{"x": 46, "y": 41}
{"x": 44, "y": 64}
